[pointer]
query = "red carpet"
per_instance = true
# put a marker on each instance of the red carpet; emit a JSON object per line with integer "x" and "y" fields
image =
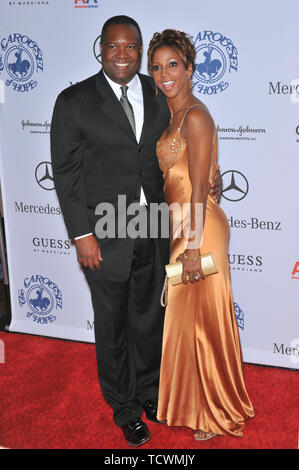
{"x": 50, "y": 399}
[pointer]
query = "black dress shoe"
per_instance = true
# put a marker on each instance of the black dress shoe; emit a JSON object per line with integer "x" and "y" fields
{"x": 136, "y": 432}
{"x": 151, "y": 407}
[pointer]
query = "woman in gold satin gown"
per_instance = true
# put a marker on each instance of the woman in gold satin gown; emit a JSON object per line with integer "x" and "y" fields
{"x": 201, "y": 382}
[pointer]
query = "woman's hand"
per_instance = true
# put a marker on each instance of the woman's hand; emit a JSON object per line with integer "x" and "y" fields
{"x": 216, "y": 188}
{"x": 192, "y": 270}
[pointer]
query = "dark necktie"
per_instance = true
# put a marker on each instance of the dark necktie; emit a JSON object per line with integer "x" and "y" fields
{"x": 127, "y": 107}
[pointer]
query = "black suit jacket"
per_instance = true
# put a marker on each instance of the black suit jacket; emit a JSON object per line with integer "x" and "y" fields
{"x": 96, "y": 157}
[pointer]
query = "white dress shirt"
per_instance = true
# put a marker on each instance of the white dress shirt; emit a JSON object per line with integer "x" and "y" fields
{"x": 135, "y": 97}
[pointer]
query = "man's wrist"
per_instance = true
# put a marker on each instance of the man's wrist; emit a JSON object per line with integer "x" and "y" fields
{"x": 83, "y": 236}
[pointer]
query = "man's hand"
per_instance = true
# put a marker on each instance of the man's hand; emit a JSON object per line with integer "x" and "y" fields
{"x": 88, "y": 252}
{"x": 216, "y": 188}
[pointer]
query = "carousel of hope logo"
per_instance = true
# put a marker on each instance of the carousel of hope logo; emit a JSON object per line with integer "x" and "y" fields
{"x": 42, "y": 297}
{"x": 21, "y": 59}
{"x": 216, "y": 58}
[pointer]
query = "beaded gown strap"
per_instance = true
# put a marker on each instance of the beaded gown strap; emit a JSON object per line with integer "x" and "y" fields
{"x": 202, "y": 106}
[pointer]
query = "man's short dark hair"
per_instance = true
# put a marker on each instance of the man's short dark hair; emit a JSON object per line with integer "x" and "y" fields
{"x": 121, "y": 19}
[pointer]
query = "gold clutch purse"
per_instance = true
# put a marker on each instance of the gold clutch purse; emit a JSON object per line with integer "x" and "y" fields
{"x": 174, "y": 271}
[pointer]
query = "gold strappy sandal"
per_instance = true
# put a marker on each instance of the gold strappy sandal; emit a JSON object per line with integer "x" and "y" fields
{"x": 203, "y": 436}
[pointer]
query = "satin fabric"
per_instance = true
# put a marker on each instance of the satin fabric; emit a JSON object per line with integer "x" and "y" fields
{"x": 201, "y": 378}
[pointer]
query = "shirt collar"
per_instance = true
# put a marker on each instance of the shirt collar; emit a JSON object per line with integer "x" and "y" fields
{"x": 134, "y": 85}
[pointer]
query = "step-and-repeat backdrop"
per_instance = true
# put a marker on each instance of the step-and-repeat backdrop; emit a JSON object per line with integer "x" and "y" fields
{"x": 247, "y": 73}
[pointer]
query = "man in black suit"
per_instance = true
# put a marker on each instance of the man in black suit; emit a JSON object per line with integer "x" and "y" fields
{"x": 96, "y": 156}
{"x": 103, "y": 138}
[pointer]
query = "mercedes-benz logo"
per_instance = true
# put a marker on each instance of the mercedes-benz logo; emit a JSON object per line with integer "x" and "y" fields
{"x": 44, "y": 176}
{"x": 235, "y": 185}
{"x": 96, "y": 49}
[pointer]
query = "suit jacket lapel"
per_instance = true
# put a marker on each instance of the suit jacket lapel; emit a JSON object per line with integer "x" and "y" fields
{"x": 112, "y": 107}
{"x": 151, "y": 108}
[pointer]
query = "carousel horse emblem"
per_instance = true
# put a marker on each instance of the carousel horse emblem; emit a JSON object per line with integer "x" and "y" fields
{"x": 19, "y": 69}
{"x": 216, "y": 58}
{"x": 40, "y": 303}
{"x": 42, "y": 297}
{"x": 209, "y": 68}
{"x": 22, "y": 61}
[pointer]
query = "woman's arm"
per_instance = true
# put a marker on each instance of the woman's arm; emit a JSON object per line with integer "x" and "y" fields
{"x": 198, "y": 131}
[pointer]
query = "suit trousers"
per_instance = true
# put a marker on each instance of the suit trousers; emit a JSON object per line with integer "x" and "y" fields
{"x": 128, "y": 321}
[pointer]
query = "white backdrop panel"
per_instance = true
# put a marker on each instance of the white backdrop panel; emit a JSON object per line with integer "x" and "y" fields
{"x": 48, "y": 291}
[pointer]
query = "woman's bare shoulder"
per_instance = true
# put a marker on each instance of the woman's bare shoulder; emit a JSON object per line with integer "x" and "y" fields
{"x": 198, "y": 117}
